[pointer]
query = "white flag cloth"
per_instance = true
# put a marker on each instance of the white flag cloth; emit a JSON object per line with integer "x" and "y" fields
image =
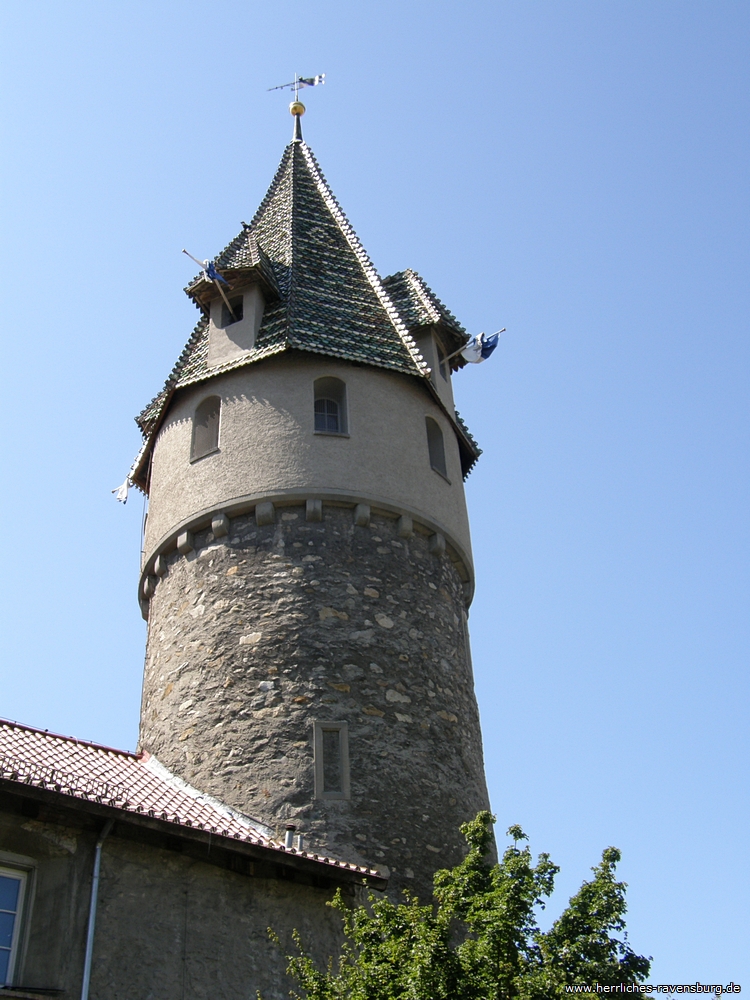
{"x": 121, "y": 493}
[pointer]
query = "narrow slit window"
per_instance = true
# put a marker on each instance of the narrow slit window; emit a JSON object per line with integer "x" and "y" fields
{"x": 436, "y": 447}
{"x": 331, "y": 760}
{"x": 12, "y": 885}
{"x": 330, "y": 406}
{"x": 206, "y": 428}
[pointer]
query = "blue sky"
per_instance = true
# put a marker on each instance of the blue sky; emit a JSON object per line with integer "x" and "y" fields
{"x": 575, "y": 171}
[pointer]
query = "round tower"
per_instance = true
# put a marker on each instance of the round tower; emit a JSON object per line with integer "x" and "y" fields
{"x": 307, "y": 561}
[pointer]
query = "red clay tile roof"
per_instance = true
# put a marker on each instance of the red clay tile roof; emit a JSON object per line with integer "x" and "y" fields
{"x": 133, "y": 783}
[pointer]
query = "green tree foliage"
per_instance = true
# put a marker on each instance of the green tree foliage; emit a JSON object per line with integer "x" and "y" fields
{"x": 481, "y": 940}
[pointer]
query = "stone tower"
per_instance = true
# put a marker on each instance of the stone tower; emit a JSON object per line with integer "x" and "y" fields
{"x": 307, "y": 563}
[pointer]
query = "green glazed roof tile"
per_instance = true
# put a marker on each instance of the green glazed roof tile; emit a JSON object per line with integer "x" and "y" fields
{"x": 418, "y": 304}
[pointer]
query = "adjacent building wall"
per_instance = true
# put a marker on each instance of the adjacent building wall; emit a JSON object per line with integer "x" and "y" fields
{"x": 169, "y": 927}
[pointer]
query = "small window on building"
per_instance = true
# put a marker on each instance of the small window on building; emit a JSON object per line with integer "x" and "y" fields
{"x": 443, "y": 365}
{"x": 330, "y": 406}
{"x": 227, "y": 317}
{"x": 331, "y": 760}
{"x": 12, "y": 886}
{"x": 436, "y": 447}
{"x": 206, "y": 428}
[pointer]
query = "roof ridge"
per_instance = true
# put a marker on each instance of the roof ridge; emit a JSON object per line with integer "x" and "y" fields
{"x": 426, "y": 295}
{"x": 69, "y": 739}
{"x": 363, "y": 258}
{"x": 273, "y": 187}
{"x": 417, "y": 284}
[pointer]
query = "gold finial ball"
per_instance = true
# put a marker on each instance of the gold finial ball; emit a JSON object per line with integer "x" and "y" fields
{"x": 297, "y": 108}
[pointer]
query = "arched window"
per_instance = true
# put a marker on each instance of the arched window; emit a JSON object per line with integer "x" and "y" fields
{"x": 330, "y": 406}
{"x": 436, "y": 447}
{"x": 206, "y": 428}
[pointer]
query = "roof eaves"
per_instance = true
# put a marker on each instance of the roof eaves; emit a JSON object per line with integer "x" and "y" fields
{"x": 343, "y": 871}
{"x": 473, "y": 446}
{"x": 466, "y": 442}
{"x": 157, "y": 403}
{"x": 202, "y": 289}
{"x": 38, "y": 778}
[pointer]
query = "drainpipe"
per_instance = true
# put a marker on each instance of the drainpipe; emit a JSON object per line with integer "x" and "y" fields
{"x": 92, "y": 910}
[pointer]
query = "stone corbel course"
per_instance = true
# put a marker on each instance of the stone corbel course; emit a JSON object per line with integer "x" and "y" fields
{"x": 182, "y": 538}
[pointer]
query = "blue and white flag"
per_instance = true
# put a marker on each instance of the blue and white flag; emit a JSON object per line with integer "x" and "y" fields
{"x": 212, "y": 273}
{"x": 479, "y": 348}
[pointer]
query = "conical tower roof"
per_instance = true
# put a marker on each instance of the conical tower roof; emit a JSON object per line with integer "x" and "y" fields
{"x": 321, "y": 290}
{"x": 326, "y": 295}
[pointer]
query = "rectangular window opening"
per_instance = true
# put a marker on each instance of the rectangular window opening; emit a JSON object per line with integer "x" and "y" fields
{"x": 327, "y": 417}
{"x": 331, "y": 760}
{"x": 330, "y": 406}
{"x": 443, "y": 365}
{"x": 12, "y": 886}
{"x": 226, "y": 316}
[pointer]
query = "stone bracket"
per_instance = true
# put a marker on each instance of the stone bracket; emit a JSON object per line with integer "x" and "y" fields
{"x": 362, "y": 515}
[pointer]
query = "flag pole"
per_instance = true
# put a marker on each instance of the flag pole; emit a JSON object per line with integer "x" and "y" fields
{"x": 202, "y": 265}
{"x": 226, "y": 301}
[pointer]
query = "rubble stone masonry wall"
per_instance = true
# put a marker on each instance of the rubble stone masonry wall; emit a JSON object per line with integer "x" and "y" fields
{"x": 257, "y": 635}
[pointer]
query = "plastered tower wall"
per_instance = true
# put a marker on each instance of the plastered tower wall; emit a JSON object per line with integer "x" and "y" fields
{"x": 267, "y": 447}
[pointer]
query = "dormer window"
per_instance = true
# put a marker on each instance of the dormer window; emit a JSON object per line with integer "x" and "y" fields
{"x": 233, "y": 328}
{"x": 227, "y": 317}
{"x": 205, "y": 428}
{"x": 330, "y": 406}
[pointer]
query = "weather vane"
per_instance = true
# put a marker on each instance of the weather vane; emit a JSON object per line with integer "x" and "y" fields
{"x": 299, "y": 82}
{"x": 297, "y": 108}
